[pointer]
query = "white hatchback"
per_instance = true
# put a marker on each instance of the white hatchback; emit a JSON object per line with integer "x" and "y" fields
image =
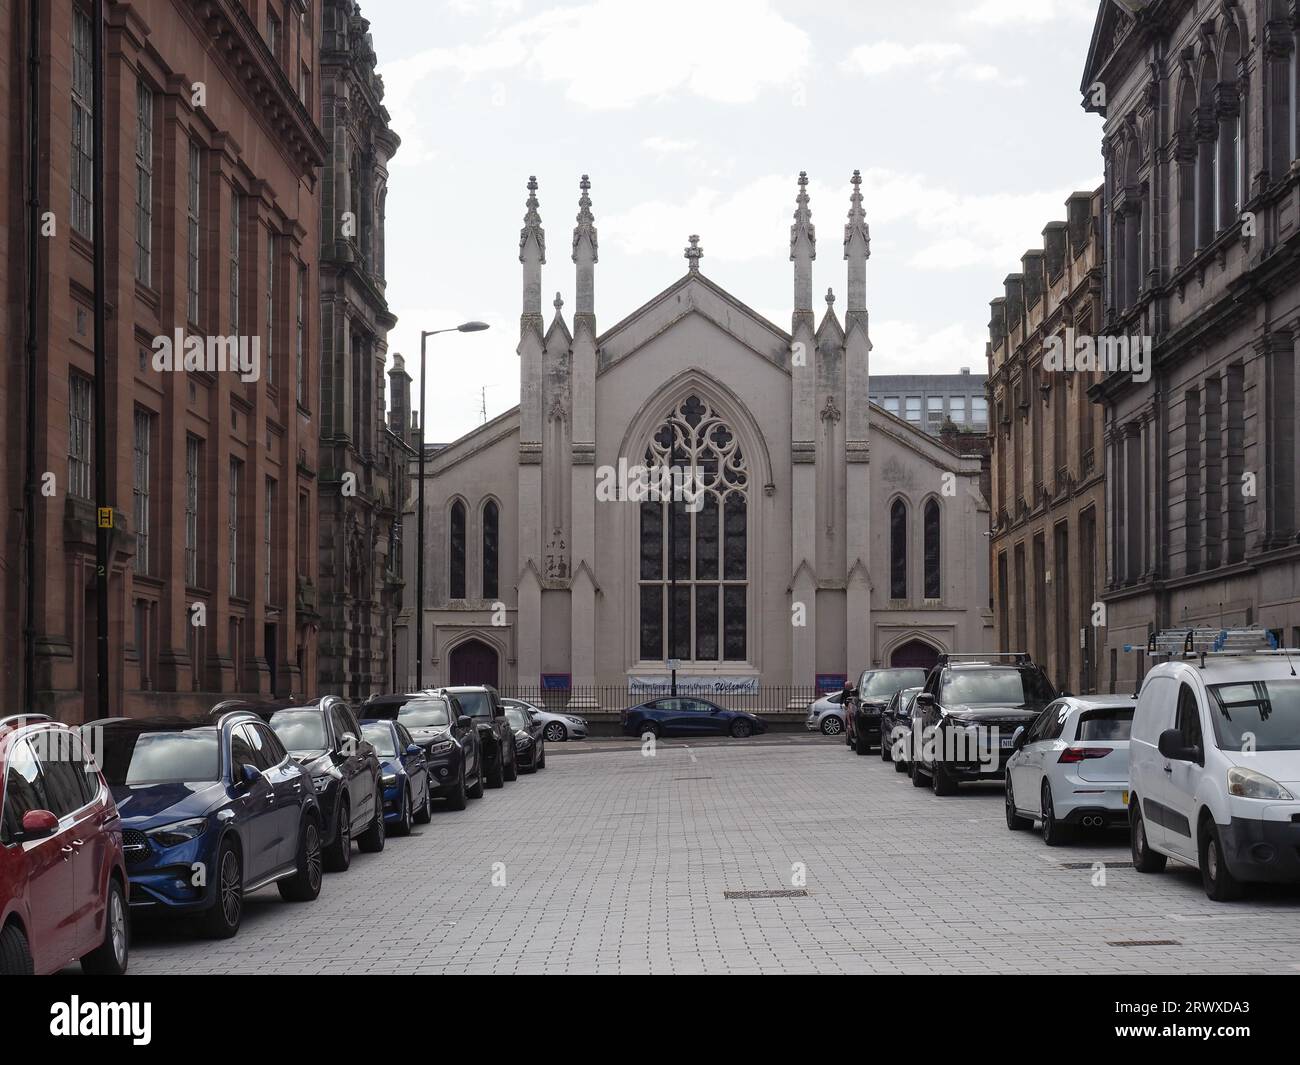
{"x": 1216, "y": 769}
{"x": 1070, "y": 767}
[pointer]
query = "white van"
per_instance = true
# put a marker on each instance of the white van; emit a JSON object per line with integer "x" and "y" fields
{"x": 1214, "y": 760}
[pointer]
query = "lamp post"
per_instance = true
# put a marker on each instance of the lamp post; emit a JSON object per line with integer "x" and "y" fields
{"x": 464, "y": 327}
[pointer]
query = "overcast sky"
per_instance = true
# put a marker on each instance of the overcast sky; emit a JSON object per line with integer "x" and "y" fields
{"x": 695, "y": 116}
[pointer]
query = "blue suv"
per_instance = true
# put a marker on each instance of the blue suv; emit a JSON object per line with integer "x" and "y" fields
{"x": 210, "y": 812}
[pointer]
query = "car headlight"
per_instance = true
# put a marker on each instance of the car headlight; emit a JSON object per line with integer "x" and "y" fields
{"x": 575, "y": 720}
{"x": 523, "y": 741}
{"x": 1248, "y": 784}
{"x": 174, "y": 835}
{"x": 320, "y": 783}
{"x": 442, "y": 746}
{"x": 389, "y": 779}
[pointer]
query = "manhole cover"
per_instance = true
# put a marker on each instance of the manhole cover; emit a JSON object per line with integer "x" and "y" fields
{"x": 790, "y": 893}
{"x": 1143, "y": 943}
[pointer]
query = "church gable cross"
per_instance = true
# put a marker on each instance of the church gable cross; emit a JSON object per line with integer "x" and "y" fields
{"x": 694, "y": 253}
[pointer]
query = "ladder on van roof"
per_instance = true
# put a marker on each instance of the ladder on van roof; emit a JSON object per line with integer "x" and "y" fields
{"x": 1186, "y": 642}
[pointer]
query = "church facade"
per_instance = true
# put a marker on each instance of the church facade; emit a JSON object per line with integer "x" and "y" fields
{"x": 697, "y": 485}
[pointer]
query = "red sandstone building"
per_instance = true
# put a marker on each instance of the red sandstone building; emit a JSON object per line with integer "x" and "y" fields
{"x": 213, "y": 151}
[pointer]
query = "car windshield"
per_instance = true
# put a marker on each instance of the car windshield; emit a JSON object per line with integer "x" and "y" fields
{"x": 381, "y": 738}
{"x": 1260, "y": 715}
{"x": 300, "y": 730}
{"x": 1009, "y": 686}
{"x": 905, "y": 698}
{"x": 883, "y": 683}
{"x": 518, "y": 718}
{"x": 425, "y": 713}
{"x": 1107, "y": 723}
{"x": 476, "y": 704}
{"x": 130, "y": 756}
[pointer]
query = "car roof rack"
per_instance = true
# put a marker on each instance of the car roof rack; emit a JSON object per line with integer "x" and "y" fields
{"x": 1020, "y": 658}
{"x": 1189, "y": 642}
{"x": 11, "y": 718}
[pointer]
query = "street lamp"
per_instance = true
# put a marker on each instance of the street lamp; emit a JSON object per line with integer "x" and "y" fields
{"x": 464, "y": 327}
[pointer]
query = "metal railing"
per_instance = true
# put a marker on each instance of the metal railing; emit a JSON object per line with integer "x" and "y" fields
{"x": 613, "y": 698}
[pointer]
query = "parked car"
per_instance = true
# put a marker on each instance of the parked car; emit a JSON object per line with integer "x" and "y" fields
{"x": 530, "y": 738}
{"x": 211, "y": 812}
{"x": 63, "y": 880}
{"x": 688, "y": 716}
{"x": 450, "y": 739}
{"x": 966, "y": 714}
{"x": 896, "y": 728}
{"x": 826, "y": 715}
{"x": 408, "y": 797}
{"x": 1214, "y": 761}
{"x": 482, "y": 705}
{"x": 869, "y": 697}
{"x": 558, "y": 727}
{"x": 1069, "y": 768}
{"x": 326, "y": 740}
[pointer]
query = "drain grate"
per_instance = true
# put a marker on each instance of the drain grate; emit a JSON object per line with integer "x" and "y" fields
{"x": 1102, "y": 861}
{"x": 1143, "y": 943}
{"x": 788, "y": 893}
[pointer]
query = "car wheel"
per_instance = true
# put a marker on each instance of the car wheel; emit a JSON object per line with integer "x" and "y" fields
{"x": 886, "y": 754}
{"x": 740, "y": 728}
{"x": 222, "y": 919}
{"x": 305, "y": 884}
{"x": 556, "y": 732}
{"x": 496, "y": 777}
{"x": 832, "y": 725}
{"x": 941, "y": 781}
{"x": 1145, "y": 860}
{"x": 649, "y": 728}
{"x": 1220, "y": 885}
{"x": 338, "y": 855}
{"x": 862, "y": 746}
{"x": 512, "y": 772}
{"x": 110, "y": 957}
{"x": 1055, "y": 833}
{"x": 476, "y": 792}
{"x": 371, "y": 841}
{"x": 425, "y": 813}
{"x": 15, "y": 953}
{"x": 456, "y": 800}
{"x": 918, "y": 778}
{"x": 541, "y": 754}
{"x": 900, "y": 767}
{"x": 1014, "y": 821}
{"x": 404, "y": 817}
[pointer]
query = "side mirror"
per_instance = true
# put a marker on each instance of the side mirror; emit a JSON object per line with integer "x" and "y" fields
{"x": 464, "y": 721}
{"x": 38, "y": 824}
{"x": 413, "y": 748}
{"x": 1018, "y": 737}
{"x": 925, "y": 701}
{"x": 1172, "y": 747}
{"x": 248, "y": 775}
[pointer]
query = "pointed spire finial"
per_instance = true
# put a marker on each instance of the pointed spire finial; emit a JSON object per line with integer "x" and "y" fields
{"x": 586, "y": 228}
{"x": 532, "y": 223}
{"x": 857, "y": 224}
{"x": 694, "y": 253}
{"x": 803, "y": 226}
{"x": 830, "y": 299}
{"x": 558, "y": 303}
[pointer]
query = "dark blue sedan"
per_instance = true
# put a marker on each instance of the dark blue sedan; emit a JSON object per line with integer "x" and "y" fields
{"x": 688, "y": 716}
{"x": 407, "y": 797}
{"x": 209, "y": 813}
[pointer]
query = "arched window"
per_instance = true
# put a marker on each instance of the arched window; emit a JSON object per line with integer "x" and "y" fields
{"x": 898, "y": 550}
{"x": 1231, "y": 131}
{"x": 490, "y": 549}
{"x": 693, "y": 542}
{"x": 933, "y": 571}
{"x": 456, "y": 555}
{"x": 1185, "y": 153}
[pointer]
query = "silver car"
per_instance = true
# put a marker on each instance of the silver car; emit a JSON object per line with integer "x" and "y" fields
{"x": 826, "y": 714}
{"x": 555, "y": 727}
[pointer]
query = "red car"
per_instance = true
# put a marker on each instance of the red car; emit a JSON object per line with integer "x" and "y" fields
{"x": 63, "y": 879}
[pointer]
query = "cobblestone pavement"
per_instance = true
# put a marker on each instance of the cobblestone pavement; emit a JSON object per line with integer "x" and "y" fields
{"x": 617, "y": 863}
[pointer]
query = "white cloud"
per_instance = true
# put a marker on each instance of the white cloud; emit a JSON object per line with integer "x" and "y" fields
{"x": 611, "y": 54}
{"x": 1030, "y": 12}
{"x": 937, "y": 59}
{"x": 913, "y": 347}
{"x": 666, "y": 145}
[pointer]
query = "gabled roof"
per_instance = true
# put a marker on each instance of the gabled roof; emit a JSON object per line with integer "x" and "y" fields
{"x": 1114, "y": 21}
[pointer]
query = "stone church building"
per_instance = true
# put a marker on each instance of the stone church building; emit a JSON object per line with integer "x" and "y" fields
{"x": 817, "y": 534}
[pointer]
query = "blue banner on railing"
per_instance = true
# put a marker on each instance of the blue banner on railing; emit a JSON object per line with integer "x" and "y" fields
{"x": 557, "y": 681}
{"x": 831, "y": 682}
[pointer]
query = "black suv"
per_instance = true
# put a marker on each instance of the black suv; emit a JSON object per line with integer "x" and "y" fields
{"x": 964, "y": 717}
{"x": 449, "y": 737}
{"x": 496, "y": 735}
{"x": 325, "y": 739}
{"x": 868, "y": 699}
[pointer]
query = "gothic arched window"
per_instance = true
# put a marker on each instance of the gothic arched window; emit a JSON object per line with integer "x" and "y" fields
{"x": 898, "y": 550}
{"x": 693, "y": 543}
{"x": 491, "y": 521}
{"x": 933, "y": 572}
{"x": 456, "y": 556}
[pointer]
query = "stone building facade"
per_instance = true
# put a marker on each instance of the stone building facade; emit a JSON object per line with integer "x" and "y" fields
{"x": 212, "y": 230}
{"x": 829, "y": 535}
{"x": 1201, "y": 218}
{"x": 363, "y": 462}
{"x": 1047, "y": 546}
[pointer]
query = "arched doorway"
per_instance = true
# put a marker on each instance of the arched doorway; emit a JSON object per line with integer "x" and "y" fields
{"x": 915, "y": 654}
{"x": 473, "y": 662}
